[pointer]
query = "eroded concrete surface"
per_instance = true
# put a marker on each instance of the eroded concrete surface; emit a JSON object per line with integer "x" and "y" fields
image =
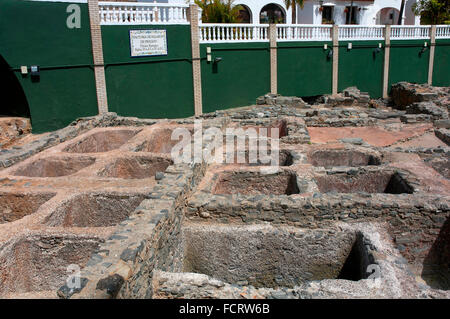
{"x": 358, "y": 208}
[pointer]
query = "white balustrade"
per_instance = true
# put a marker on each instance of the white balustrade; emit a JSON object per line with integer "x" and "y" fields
{"x": 403, "y": 32}
{"x": 358, "y": 32}
{"x": 298, "y": 32}
{"x": 142, "y": 13}
{"x": 233, "y": 32}
{"x": 443, "y": 32}
{"x": 117, "y": 13}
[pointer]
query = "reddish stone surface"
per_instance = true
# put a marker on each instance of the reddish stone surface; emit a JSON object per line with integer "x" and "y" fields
{"x": 375, "y": 136}
{"x": 12, "y": 129}
{"x": 58, "y": 205}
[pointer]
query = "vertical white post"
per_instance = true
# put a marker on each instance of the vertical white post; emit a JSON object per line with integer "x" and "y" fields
{"x": 196, "y": 64}
{"x": 335, "y": 37}
{"x": 432, "y": 49}
{"x": 273, "y": 58}
{"x": 387, "y": 54}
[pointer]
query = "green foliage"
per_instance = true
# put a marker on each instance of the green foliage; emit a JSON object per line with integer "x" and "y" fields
{"x": 219, "y": 11}
{"x": 294, "y": 3}
{"x": 433, "y": 11}
{"x": 290, "y": 3}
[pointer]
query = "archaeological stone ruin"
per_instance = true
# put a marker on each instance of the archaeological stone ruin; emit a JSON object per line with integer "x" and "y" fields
{"x": 357, "y": 206}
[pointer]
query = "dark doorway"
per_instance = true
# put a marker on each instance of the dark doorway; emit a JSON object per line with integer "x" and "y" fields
{"x": 350, "y": 15}
{"x": 14, "y": 103}
{"x": 327, "y": 15}
{"x": 272, "y": 13}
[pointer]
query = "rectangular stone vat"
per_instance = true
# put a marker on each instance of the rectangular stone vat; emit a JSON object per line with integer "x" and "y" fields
{"x": 285, "y": 158}
{"x": 39, "y": 262}
{"x": 341, "y": 157}
{"x": 267, "y": 256}
{"x": 361, "y": 181}
{"x": 253, "y": 183}
{"x": 101, "y": 141}
{"x": 160, "y": 141}
{"x": 94, "y": 210}
{"x": 55, "y": 166}
{"x": 14, "y": 206}
{"x": 266, "y": 130}
{"x": 436, "y": 265}
{"x": 136, "y": 167}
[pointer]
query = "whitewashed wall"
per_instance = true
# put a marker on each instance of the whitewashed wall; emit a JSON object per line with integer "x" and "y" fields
{"x": 310, "y": 13}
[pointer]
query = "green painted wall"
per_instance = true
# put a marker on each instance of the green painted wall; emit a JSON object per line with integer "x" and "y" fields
{"x": 35, "y": 33}
{"x": 149, "y": 87}
{"x": 361, "y": 67}
{"x": 304, "y": 69}
{"x": 406, "y": 63}
{"x": 441, "y": 66}
{"x": 241, "y": 76}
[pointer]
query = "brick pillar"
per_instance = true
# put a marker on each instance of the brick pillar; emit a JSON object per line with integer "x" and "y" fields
{"x": 387, "y": 54}
{"x": 335, "y": 37}
{"x": 97, "y": 52}
{"x": 196, "y": 62}
{"x": 273, "y": 58}
{"x": 432, "y": 48}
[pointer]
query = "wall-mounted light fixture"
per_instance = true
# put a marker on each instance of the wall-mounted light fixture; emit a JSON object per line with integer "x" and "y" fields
{"x": 377, "y": 50}
{"x": 330, "y": 54}
{"x": 208, "y": 54}
{"x": 24, "y": 70}
{"x": 215, "y": 65}
{"x": 349, "y": 46}
{"x": 425, "y": 46}
{"x": 35, "y": 73}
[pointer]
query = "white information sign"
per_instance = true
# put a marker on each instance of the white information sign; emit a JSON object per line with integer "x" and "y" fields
{"x": 148, "y": 42}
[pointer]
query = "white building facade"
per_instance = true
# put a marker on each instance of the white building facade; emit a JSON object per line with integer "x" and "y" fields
{"x": 363, "y": 12}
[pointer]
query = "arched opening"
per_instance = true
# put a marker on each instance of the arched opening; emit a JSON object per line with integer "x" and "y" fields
{"x": 387, "y": 16}
{"x": 272, "y": 13}
{"x": 245, "y": 14}
{"x": 14, "y": 101}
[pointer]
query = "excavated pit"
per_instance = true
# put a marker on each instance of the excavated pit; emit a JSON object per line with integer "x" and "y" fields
{"x": 14, "y": 206}
{"x": 265, "y": 256}
{"x": 440, "y": 165}
{"x": 161, "y": 141}
{"x": 101, "y": 142}
{"x": 253, "y": 183}
{"x": 284, "y": 158}
{"x": 39, "y": 262}
{"x": 337, "y": 157}
{"x": 54, "y": 167}
{"x": 436, "y": 265}
{"x": 135, "y": 167}
{"x": 368, "y": 182}
{"x": 279, "y": 126}
{"x": 94, "y": 210}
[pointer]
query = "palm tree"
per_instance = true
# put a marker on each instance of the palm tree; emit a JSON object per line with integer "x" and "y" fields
{"x": 217, "y": 11}
{"x": 294, "y": 4}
